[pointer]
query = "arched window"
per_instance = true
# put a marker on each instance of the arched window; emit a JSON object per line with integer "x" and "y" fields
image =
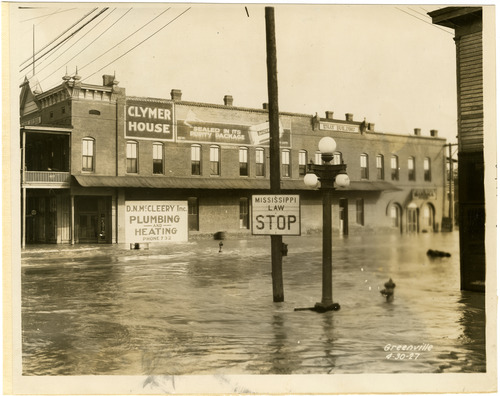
{"x": 302, "y": 162}
{"x": 260, "y": 169}
{"x": 395, "y": 213}
{"x": 394, "y": 167}
{"x": 317, "y": 158}
{"x": 195, "y": 159}
{"x": 214, "y": 160}
{"x": 337, "y": 158}
{"x": 132, "y": 157}
{"x": 243, "y": 154}
{"x": 427, "y": 169}
{"x": 411, "y": 169}
{"x": 285, "y": 163}
{"x": 157, "y": 158}
{"x": 88, "y": 154}
{"x": 363, "y": 159}
{"x": 380, "y": 167}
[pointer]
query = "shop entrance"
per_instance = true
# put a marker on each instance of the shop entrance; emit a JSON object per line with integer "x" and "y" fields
{"x": 412, "y": 218}
{"x": 92, "y": 217}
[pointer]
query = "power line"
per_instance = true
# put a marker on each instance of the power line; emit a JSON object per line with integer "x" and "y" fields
{"x": 126, "y": 38}
{"x": 99, "y": 36}
{"x": 80, "y": 51}
{"x": 163, "y": 27}
{"x": 71, "y": 27}
{"x": 47, "y": 15}
{"x": 422, "y": 20}
{"x": 67, "y": 38}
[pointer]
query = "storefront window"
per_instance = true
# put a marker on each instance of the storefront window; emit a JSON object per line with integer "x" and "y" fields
{"x": 337, "y": 158}
{"x": 244, "y": 223}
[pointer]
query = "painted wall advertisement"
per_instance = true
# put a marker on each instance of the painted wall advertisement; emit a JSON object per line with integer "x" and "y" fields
{"x": 194, "y": 129}
{"x": 156, "y": 221}
{"x": 146, "y": 119}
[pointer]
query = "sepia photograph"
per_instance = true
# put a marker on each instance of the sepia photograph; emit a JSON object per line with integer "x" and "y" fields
{"x": 249, "y": 198}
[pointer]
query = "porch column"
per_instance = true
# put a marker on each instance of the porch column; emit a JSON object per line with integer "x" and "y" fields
{"x": 23, "y": 217}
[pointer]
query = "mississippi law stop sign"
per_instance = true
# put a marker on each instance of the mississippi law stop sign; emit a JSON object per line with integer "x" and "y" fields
{"x": 276, "y": 214}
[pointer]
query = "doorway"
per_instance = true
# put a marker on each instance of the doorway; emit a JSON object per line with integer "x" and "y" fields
{"x": 412, "y": 218}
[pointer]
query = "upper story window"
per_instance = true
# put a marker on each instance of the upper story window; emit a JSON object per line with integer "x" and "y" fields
{"x": 88, "y": 154}
{"x": 157, "y": 158}
{"x": 302, "y": 162}
{"x": 337, "y": 158}
{"x": 411, "y": 168}
{"x": 131, "y": 157}
{"x": 427, "y": 169}
{"x": 260, "y": 169}
{"x": 214, "y": 160}
{"x": 317, "y": 158}
{"x": 394, "y": 167}
{"x": 363, "y": 161}
{"x": 380, "y": 167}
{"x": 243, "y": 161}
{"x": 196, "y": 159}
{"x": 285, "y": 163}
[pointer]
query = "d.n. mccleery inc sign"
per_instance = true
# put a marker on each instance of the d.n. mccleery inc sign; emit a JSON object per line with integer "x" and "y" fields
{"x": 156, "y": 221}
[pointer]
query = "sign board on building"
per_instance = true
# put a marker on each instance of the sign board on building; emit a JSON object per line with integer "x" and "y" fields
{"x": 148, "y": 119}
{"x": 337, "y": 127}
{"x": 276, "y": 214}
{"x": 424, "y": 193}
{"x": 193, "y": 128}
{"x": 156, "y": 221}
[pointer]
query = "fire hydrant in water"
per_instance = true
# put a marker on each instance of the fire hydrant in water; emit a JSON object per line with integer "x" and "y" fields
{"x": 388, "y": 292}
{"x": 220, "y": 246}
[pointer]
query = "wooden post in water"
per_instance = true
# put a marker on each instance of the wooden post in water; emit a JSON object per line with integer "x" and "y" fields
{"x": 274, "y": 148}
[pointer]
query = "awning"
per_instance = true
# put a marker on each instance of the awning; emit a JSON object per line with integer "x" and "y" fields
{"x": 214, "y": 183}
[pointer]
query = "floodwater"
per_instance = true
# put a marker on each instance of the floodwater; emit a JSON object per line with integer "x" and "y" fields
{"x": 187, "y": 309}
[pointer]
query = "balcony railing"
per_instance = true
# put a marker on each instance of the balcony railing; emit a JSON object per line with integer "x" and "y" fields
{"x": 47, "y": 177}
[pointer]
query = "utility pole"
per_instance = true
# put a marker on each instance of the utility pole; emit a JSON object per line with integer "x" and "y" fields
{"x": 274, "y": 148}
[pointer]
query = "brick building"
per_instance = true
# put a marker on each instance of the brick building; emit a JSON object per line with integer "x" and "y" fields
{"x": 88, "y": 149}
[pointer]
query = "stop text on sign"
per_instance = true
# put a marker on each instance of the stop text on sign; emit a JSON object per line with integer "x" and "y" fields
{"x": 276, "y": 214}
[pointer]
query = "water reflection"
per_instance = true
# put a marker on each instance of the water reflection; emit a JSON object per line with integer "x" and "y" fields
{"x": 187, "y": 309}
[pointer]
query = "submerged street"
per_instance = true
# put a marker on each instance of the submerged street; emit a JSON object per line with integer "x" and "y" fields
{"x": 187, "y": 309}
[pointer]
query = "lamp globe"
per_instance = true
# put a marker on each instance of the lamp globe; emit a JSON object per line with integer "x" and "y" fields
{"x": 311, "y": 180}
{"x": 342, "y": 180}
{"x": 327, "y": 145}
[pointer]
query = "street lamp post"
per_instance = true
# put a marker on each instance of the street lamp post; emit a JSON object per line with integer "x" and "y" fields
{"x": 328, "y": 175}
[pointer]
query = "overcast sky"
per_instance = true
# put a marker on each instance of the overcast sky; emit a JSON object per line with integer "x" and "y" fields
{"x": 387, "y": 63}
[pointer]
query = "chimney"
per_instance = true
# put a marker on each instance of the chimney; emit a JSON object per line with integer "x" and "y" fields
{"x": 416, "y": 131}
{"x": 176, "y": 94}
{"x": 329, "y": 115}
{"x": 265, "y": 106}
{"x": 107, "y": 80}
{"x": 371, "y": 126}
{"x": 228, "y": 100}
{"x": 434, "y": 132}
{"x": 349, "y": 117}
